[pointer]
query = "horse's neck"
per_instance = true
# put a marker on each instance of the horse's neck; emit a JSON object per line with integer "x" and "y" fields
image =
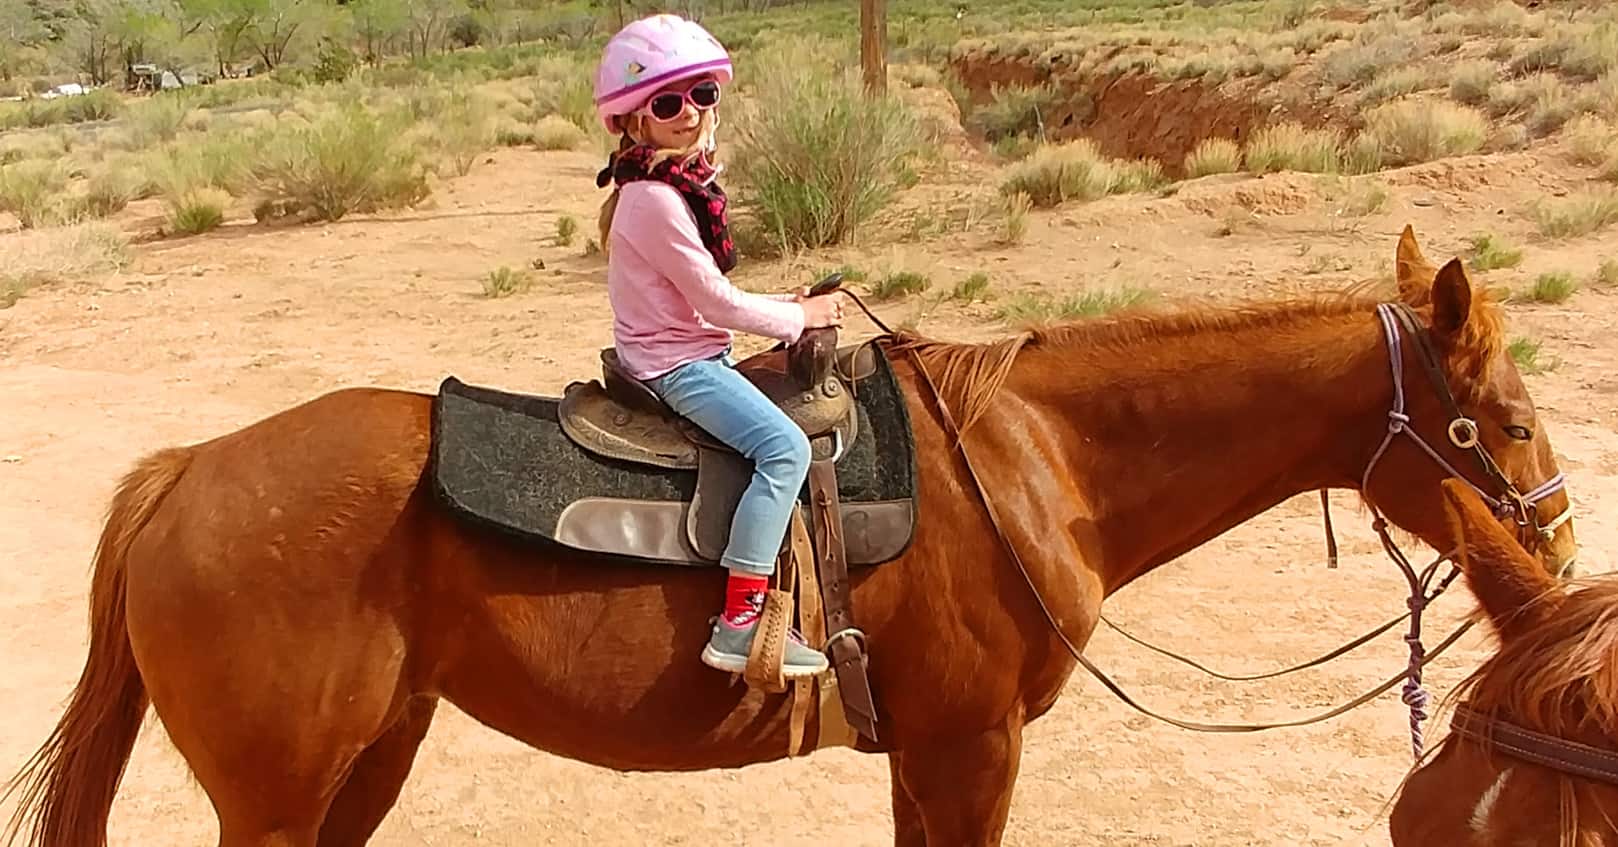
{"x": 1176, "y": 440}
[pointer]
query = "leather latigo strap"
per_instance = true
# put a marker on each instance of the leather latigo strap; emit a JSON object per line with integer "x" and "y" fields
{"x": 845, "y": 643}
{"x": 1570, "y": 757}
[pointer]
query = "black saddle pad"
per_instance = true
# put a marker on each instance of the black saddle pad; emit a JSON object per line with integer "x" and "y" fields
{"x": 501, "y": 460}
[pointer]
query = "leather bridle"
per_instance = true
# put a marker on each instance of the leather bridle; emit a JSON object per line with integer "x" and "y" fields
{"x": 1508, "y": 501}
{"x": 1398, "y": 322}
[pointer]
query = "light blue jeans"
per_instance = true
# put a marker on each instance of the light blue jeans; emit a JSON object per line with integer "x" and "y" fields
{"x": 714, "y": 396}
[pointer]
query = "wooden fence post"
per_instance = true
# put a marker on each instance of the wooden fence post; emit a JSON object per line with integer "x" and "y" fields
{"x": 874, "y": 45}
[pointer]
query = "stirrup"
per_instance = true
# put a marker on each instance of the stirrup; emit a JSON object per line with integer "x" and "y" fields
{"x": 766, "y": 661}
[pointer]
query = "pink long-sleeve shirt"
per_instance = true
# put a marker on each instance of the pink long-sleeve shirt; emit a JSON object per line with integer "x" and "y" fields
{"x": 671, "y": 304}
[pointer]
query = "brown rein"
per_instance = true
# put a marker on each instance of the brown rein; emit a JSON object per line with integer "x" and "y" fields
{"x": 1331, "y": 563}
{"x": 1316, "y": 662}
{"x": 1414, "y": 696}
{"x": 1078, "y": 655}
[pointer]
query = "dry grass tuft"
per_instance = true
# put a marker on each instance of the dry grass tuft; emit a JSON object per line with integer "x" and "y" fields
{"x": 1076, "y": 170}
{"x": 1410, "y": 131}
{"x": 1292, "y": 147}
{"x": 1473, "y": 82}
{"x": 59, "y": 254}
{"x": 1578, "y": 215}
{"x": 1590, "y": 140}
{"x": 1214, "y": 156}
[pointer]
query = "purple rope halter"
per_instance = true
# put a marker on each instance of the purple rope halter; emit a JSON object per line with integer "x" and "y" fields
{"x": 1413, "y": 694}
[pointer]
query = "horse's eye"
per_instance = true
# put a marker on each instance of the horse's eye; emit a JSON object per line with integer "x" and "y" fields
{"x": 1521, "y": 433}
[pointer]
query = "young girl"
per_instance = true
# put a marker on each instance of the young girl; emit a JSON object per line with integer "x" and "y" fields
{"x": 668, "y": 249}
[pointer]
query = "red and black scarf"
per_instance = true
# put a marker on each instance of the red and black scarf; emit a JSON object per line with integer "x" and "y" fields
{"x": 694, "y": 181}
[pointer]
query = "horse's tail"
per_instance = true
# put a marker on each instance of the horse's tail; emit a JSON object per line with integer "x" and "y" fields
{"x": 68, "y": 786}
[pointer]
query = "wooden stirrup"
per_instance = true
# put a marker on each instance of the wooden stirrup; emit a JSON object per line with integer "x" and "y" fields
{"x": 764, "y": 664}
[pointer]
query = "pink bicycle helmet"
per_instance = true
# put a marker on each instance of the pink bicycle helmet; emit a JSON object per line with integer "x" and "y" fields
{"x": 649, "y": 54}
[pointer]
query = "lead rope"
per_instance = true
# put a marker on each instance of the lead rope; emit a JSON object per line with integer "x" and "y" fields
{"x": 1414, "y": 695}
{"x": 1302, "y": 666}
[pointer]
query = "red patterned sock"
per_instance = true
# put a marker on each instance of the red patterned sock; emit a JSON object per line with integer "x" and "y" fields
{"x": 744, "y": 598}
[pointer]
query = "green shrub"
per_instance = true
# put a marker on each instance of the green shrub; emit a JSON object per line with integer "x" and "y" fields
{"x": 1031, "y": 308}
{"x": 1607, "y": 273}
{"x": 503, "y": 282}
{"x": 156, "y": 120}
{"x": 109, "y": 190}
{"x": 1014, "y": 111}
{"x": 463, "y": 130}
{"x": 1358, "y": 63}
{"x": 347, "y": 161}
{"x": 577, "y": 101}
{"x": 1578, "y": 52}
{"x": 198, "y": 210}
{"x": 1489, "y": 252}
{"x": 32, "y": 191}
{"x": 900, "y": 284}
{"x": 1014, "y": 148}
{"x": 554, "y": 132}
{"x": 972, "y": 288}
{"x": 1473, "y": 82}
{"x": 334, "y": 63}
{"x": 1397, "y": 82}
{"x": 99, "y": 105}
{"x": 817, "y": 157}
{"x": 1553, "y": 287}
{"x": 1525, "y": 352}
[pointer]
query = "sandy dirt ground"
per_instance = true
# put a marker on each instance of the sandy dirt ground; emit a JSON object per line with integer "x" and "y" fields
{"x": 202, "y": 335}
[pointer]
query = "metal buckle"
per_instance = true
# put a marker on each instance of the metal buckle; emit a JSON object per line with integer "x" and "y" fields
{"x": 1463, "y": 433}
{"x": 847, "y": 632}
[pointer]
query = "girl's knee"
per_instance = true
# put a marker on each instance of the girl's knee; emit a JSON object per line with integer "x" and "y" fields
{"x": 798, "y": 452}
{"x": 788, "y": 454}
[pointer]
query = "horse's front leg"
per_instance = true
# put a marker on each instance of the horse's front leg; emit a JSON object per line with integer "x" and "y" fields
{"x": 907, "y": 827}
{"x": 960, "y": 787}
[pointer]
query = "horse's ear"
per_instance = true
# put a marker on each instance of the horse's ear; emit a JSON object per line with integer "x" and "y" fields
{"x": 1514, "y": 589}
{"x": 1452, "y": 298}
{"x": 1411, "y": 270}
{"x": 1408, "y": 248}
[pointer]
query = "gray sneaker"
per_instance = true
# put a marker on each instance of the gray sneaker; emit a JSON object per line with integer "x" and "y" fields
{"x": 729, "y": 647}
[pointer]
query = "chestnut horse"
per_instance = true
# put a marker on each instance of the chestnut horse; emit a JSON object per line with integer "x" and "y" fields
{"x": 293, "y": 603}
{"x": 1534, "y": 759}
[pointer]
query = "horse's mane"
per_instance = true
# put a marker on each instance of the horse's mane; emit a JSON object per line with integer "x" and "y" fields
{"x": 1559, "y": 676}
{"x": 969, "y": 375}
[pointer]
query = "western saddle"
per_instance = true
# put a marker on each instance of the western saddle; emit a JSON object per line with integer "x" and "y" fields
{"x": 812, "y": 381}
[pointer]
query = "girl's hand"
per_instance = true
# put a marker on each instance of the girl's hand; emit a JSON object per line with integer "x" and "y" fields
{"x": 825, "y": 310}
